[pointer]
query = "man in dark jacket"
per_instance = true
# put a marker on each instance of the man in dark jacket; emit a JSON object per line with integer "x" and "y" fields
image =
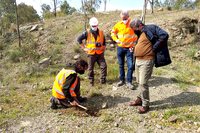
{"x": 66, "y": 87}
{"x": 151, "y": 41}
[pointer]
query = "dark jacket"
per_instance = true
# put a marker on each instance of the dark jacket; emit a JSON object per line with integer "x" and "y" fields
{"x": 158, "y": 37}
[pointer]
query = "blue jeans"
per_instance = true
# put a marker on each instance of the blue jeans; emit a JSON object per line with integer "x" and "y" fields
{"x": 121, "y": 53}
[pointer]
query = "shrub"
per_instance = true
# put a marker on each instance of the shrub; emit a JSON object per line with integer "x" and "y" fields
{"x": 14, "y": 55}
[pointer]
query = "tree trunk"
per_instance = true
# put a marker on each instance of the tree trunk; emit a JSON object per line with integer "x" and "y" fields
{"x": 143, "y": 12}
{"x": 8, "y": 6}
{"x": 199, "y": 26}
{"x": 151, "y": 2}
{"x": 17, "y": 23}
{"x": 55, "y": 1}
{"x": 1, "y": 24}
{"x": 85, "y": 16}
{"x": 104, "y": 5}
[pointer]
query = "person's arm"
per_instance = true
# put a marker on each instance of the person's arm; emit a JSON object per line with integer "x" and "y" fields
{"x": 114, "y": 34}
{"x": 104, "y": 44}
{"x": 68, "y": 82}
{"x": 81, "y": 38}
{"x": 162, "y": 37}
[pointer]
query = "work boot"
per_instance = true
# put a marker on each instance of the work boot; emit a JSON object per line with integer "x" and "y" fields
{"x": 130, "y": 86}
{"x": 120, "y": 83}
{"x": 82, "y": 99}
{"x": 91, "y": 83}
{"x": 137, "y": 102}
{"x": 53, "y": 104}
{"x": 143, "y": 109}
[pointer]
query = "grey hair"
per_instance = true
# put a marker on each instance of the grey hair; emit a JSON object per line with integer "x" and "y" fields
{"x": 124, "y": 13}
{"x": 135, "y": 22}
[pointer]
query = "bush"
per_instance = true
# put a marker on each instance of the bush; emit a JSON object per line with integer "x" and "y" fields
{"x": 169, "y": 8}
{"x": 14, "y": 55}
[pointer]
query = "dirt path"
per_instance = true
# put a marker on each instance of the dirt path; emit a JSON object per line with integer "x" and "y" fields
{"x": 118, "y": 116}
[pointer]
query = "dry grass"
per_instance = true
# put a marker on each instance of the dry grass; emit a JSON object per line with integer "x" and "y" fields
{"x": 24, "y": 94}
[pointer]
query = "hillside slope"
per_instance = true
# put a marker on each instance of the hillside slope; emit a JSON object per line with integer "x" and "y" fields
{"x": 26, "y": 85}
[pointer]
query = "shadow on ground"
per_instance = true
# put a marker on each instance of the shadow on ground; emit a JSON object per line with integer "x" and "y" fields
{"x": 180, "y": 100}
{"x": 94, "y": 106}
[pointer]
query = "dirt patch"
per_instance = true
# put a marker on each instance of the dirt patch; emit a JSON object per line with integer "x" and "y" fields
{"x": 77, "y": 111}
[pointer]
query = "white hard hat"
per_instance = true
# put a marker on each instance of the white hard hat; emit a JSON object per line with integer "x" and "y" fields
{"x": 93, "y": 21}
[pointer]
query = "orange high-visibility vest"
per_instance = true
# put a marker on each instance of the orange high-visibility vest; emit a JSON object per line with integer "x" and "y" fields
{"x": 126, "y": 35}
{"x": 91, "y": 43}
{"x": 57, "y": 89}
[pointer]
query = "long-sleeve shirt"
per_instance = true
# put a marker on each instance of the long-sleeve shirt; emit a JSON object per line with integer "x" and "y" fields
{"x": 69, "y": 81}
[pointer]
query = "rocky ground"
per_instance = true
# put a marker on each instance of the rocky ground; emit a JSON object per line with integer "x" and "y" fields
{"x": 117, "y": 115}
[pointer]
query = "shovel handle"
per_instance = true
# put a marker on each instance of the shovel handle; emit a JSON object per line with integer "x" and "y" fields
{"x": 82, "y": 107}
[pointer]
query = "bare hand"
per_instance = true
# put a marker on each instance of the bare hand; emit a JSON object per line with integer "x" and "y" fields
{"x": 131, "y": 49}
{"x": 86, "y": 49}
{"x": 74, "y": 103}
{"x": 118, "y": 41}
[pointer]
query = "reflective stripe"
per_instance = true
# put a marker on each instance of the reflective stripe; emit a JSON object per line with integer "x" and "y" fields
{"x": 72, "y": 93}
{"x": 63, "y": 78}
{"x": 73, "y": 87}
{"x": 126, "y": 36}
{"x": 95, "y": 49}
{"x": 127, "y": 43}
{"x": 113, "y": 34}
{"x": 58, "y": 91}
{"x": 92, "y": 42}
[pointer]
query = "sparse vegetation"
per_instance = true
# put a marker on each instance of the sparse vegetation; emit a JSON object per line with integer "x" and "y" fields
{"x": 26, "y": 87}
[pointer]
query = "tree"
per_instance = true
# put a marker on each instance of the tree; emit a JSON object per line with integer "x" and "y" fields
{"x": 89, "y": 6}
{"x": 17, "y": 23}
{"x": 7, "y": 8}
{"x": 56, "y": 4}
{"x": 105, "y": 1}
{"x": 144, "y": 11}
{"x": 45, "y": 8}
{"x": 156, "y": 4}
{"x": 66, "y": 8}
{"x": 151, "y": 3}
{"x": 27, "y": 14}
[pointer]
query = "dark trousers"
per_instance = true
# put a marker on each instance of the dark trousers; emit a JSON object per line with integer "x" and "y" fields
{"x": 99, "y": 58}
{"x": 64, "y": 102}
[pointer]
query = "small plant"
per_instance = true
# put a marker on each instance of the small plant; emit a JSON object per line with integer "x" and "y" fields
{"x": 96, "y": 94}
{"x": 14, "y": 55}
{"x": 170, "y": 113}
{"x": 191, "y": 52}
{"x": 77, "y": 49}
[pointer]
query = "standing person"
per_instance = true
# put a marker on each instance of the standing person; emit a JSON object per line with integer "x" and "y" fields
{"x": 126, "y": 38}
{"x": 151, "y": 45}
{"x": 66, "y": 87}
{"x": 95, "y": 48}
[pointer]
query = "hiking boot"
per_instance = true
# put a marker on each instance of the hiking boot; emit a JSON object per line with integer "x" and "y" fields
{"x": 82, "y": 99}
{"x": 120, "y": 83}
{"x": 137, "y": 102}
{"x": 143, "y": 109}
{"x": 91, "y": 83}
{"x": 53, "y": 104}
{"x": 103, "y": 82}
{"x": 130, "y": 86}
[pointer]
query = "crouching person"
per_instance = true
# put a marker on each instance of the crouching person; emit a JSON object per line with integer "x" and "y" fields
{"x": 66, "y": 87}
